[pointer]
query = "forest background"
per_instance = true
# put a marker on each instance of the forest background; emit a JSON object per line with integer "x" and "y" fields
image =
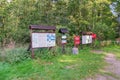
{"x": 75, "y": 15}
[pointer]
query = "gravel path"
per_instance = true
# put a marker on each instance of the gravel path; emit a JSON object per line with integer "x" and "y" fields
{"x": 111, "y": 71}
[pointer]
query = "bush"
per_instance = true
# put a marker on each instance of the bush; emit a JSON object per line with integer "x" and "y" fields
{"x": 45, "y": 53}
{"x": 16, "y": 55}
{"x": 99, "y": 44}
{"x": 106, "y": 43}
{"x": 104, "y": 32}
{"x": 96, "y": 44}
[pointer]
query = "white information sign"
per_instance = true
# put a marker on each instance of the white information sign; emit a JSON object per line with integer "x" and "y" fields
{"x": 86, "y": 39}
{"x": 64, "y": 37}
{"x": 43, "y": 40}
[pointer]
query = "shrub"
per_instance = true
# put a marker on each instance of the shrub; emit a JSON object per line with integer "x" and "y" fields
{"x": 46, "y": 53}
{"x": 106, "y": 43}
{"x": 16, "y": 55}
{"x": 96, "y": 44}
{"x": 43, "y": 53}
{"x": 104, "y": 32}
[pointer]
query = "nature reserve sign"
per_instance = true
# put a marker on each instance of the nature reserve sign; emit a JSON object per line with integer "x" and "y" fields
{"x": 43, "y": 40}
{"x": 42, "y": 37}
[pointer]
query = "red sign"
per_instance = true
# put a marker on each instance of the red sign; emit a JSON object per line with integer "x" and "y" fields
{"x": 77, "y": 40}
{"x": 94, "y": 36}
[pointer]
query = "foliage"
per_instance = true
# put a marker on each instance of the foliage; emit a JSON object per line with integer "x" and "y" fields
{"x": 76, "y": 15}
{"x": 16, "y": 55}
{"x": 96, "y": 44}
{"x": 104, "y": 32}
{"x": 45, "y": 53}
{"x": 75, "y": 66}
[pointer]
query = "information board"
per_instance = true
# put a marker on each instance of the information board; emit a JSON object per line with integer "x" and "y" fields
{"x": 43, "y": 40}
{"x": 86, "y": 39}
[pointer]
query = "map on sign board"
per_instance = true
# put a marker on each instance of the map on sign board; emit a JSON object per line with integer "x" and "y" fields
{"x": 43, "y": 40}
{"x": 86, "y": 39}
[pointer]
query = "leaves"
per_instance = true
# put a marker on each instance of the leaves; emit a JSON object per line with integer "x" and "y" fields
{"x": 76, "y": 15}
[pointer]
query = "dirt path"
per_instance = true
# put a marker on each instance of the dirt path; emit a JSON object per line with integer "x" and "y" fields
{"x": 111, "y": 71}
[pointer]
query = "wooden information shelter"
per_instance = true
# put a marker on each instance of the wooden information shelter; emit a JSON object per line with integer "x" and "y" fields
{"x": 42, "y": 37}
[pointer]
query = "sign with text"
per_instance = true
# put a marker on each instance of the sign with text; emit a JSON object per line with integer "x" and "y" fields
{"x": 43, "y": 40}
{"x": 86, "y": 39}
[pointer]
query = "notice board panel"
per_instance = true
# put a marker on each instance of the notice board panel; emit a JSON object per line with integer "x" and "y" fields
{"x": 86, "y": 39}
{"x": 43, "y": 40}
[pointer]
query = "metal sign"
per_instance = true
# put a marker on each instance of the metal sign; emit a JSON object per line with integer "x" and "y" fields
{"x": 86, "y": 39}
{"x": 43, "y": 40}
{"x": 76, "y": 40}
{"x": 64, "y": 37}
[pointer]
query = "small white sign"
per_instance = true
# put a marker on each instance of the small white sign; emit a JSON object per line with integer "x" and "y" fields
{"x": 43, "y": 40}
{"x": 86, "y": 39}
{"x": 64, "y": 36}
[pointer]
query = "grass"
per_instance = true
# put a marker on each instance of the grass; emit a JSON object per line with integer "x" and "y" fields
{"x": 115, "y": 49}
{"x": 62, "y": 67}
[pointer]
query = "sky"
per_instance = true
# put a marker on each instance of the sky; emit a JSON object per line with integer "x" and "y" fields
{"x": 112, "y": 7}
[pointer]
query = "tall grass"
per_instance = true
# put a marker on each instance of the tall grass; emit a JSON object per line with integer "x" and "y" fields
{"x": 16, "y": 55}
{"x": 20, "y": 54}
{"x": 54, "y": 67}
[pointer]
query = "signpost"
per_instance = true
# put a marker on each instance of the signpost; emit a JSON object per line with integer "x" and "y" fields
{"x": 63, "y": 31}
{"x": 76, "y": 40}
{"x": 76, "y": 43}
{"x": 42, "y": 39}
{"x": 64, "y": 39}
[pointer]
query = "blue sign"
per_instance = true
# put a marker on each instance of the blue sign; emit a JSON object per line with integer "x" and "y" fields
{"x": 50, "y": 37}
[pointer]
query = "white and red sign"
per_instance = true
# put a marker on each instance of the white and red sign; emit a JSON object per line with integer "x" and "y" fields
{"x": 64, "y": 39}
{"x": 86, "y": 39}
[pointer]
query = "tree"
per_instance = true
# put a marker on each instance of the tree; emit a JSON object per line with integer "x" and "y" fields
{"x": 76, "y": 15}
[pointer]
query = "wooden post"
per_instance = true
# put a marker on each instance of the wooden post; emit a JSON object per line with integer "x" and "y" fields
{"x": 32, "y": 55}
{"x": 63, "y": 48}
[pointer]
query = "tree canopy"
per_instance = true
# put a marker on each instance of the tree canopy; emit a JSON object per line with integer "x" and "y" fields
{"x": 76, "y": 15}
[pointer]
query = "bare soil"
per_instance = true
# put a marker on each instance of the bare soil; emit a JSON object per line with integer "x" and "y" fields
{"x": 111, "y": 71}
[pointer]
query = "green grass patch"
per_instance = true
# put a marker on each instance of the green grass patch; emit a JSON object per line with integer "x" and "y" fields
{"x": 115, "y": 49}
{"x": 61, "y": 67}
